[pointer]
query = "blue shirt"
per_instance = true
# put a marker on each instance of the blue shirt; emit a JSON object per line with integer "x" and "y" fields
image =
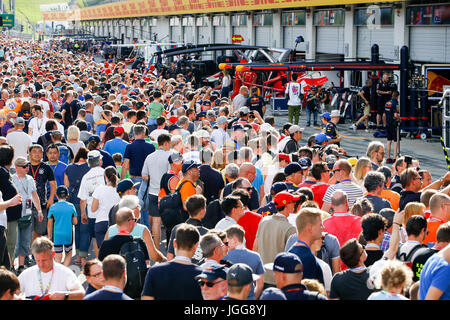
{"x": 75, "y": 173}
{"x": 436, "y": 273}
{"x": 116, "y": 145}
{"x": 136, "y": 152}
{"x": 259, "y": 180}
{"x": 62, "y": 213}
{"x": 58, "y": 170}
{"x": 107, "y": 160}
{"x": 311, "y": 268}
{"x": 250, "y": 258}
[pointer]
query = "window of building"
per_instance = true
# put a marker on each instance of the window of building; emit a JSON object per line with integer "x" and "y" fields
{"x": 428, "y": 15}
{"x": 329, "y": 17}
{"x": 379, "y": 16}
{"x": 263, "y": 19}
{"x": 239, "y": 20}
{"x": 296, "y": 18}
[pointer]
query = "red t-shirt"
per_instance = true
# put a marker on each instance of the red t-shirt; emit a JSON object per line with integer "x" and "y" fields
{"x": 319, "y": 191}
{"x": 250, "y": 222}
{"x": 343, "y": 226}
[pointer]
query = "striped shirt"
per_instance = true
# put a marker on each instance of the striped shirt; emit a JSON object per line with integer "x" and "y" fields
{"x": 353, "y": 191}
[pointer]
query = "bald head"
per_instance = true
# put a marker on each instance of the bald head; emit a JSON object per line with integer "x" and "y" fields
{"x": 339, "y": 199}
{"x": 247, "y": 170}
{"x": 439, "y": 206}
{"x": 123, "y": 215}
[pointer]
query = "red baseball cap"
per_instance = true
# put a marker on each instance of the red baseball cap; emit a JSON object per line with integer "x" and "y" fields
{"x": 172, "y": 119}
{"x": 283, "y": 198}
{"x": 284, "y": 156}
{"x": 118, "y": 131}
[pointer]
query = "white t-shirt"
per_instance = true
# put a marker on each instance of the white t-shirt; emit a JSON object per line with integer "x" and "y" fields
{"x": 38, "y": 128}
{"x": 97, "y": 114}
{"x": 61, "y": 277}
{"x": 295, "y": 91}
{"x": 327, "y": 274}
{"x": 20, "y": 141}
{"x": 90, "y": 181}
{"x": 107, "y": 197}
{"x": 3, "y": 217}
{"x": 219, "y": 136}
{"x": 45, "y": 106}
{"x": 155, "y": 165}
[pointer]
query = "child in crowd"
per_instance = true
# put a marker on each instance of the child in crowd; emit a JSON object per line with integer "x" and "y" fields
{"x": 394, "y": 279}
{"x": 118, "y": 161}
{"x": 61, "y": 217}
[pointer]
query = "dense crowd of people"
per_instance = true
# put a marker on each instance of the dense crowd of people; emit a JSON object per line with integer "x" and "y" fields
{"x": 175, "y": 186}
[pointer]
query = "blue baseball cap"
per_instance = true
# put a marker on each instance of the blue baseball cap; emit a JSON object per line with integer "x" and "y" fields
{"x": 214, "y": 272}
{"x": 292, "y": 167}
{"x": 125, "y": 184}
{"x": 304, "y": 162}
{"x": 286, "y": 262}
{"x": 326, "y": 115}
{"x": 278, "y": 187}
{"x": 188, "y": 165}
{"x": 322, "y": 137}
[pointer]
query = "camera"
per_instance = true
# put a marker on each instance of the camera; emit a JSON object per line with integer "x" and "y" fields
{"x": 408, "y": 160}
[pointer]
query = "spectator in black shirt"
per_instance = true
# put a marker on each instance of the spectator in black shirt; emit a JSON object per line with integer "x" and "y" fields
{"x": 373, "y": 228}
{"x": 70, "y": 109}
{"x": 211, "y": 178}
{"x": 8, "y": 192}
{"x": 126, "y": 222}
{"x": 256, "y": 102}
{"x": 365, "y": 96}
{"x": 374, "y": 184}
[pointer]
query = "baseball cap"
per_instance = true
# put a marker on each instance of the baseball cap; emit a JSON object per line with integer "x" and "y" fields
{"x": 278, "y": 187}
{"x": 284, "y": 198}
{"x": 175, "y": 157}
{"x": 97, "y": 99}
{"x": 125, "y": 185}
{"x": 244, "y": 110}
{"x": 123, "y": 87}
{"x": 206, "y": 102}
{"x": 326, "y": 115}
{"x": 174, "y": 126}
{"x": 118, "y": 131}
{"x": 94, "y": 138}
{"x": 21, "y": 162}
{"x": 172, "y": 119}
{"x": 202, "y": 134}
{"x": 210, "y": 113}
{"x": 284, "y": 156}
{"x": 240, "y": 274}
{"x": 295, "y": 128}
{"x": 62, "y": 191}
{"x": 330, "y": 160}
{"x": 286, "y": 262}
{"x": 221, "y": 120}
{"x": 335, "y": 113}
{"x": 321, "y": 137}
{"x": 352, "y": 161}
{"x": 272, "y": 294}
{"x": 305, "y": 163}
{"x": 87, "y": 96}
{"x": 19, "y": 120}
{"x": 94, "y": 154}
{"x": 188, "y": 165}
{"x": 124, "y": 107}
{"x": 292, "y": 167}
{"x": 212, "y": 273}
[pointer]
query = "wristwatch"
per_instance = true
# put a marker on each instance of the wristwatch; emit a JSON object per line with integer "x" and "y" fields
{"x": 66, "y": 296}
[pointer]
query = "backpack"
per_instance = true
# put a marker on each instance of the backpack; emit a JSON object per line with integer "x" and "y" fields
{"x": 171, "y": 208}
{"x": 64, "y": 154}
{"x": 406, "y": 251}
{"x": 136, "y": 268}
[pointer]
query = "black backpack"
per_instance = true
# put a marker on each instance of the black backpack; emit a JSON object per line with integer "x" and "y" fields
{"x": 136, "y": 268}
{"x": 171, "y": 208}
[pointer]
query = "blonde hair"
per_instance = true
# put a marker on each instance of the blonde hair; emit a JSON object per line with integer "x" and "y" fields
{"x": 307, "y": 216}
{"x": 414, "y": 208}
{"x": 219, "y": 160}
{"x": 73, "y": 133}
{"x": 394, "y": 274}
{"x": 360, "y": 165}
{"x": 314, "y": 285}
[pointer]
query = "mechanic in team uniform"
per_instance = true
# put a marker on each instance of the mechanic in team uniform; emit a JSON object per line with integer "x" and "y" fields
{"x": 256, "y": 102}
{"x": 384, "y": 91}
{"x": 330, "y": 119}
{"x": 392, "y": 123}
